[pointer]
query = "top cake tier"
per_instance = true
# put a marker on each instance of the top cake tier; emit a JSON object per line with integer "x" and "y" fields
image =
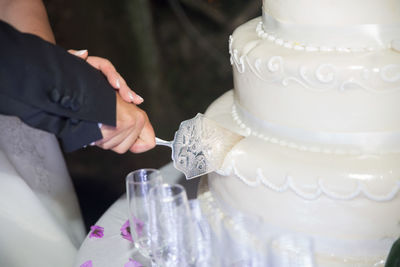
{"x": 353, "y": 24}
{"x": 334, "y": 12}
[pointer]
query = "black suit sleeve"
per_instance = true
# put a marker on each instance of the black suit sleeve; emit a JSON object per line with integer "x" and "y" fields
{"x": 50, "y": 89}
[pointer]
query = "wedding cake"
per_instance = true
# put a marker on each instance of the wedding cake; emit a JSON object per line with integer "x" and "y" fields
{"x": 317, "y": 97}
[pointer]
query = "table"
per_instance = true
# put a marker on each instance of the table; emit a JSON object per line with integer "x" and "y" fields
{"x": 105, "y": 246}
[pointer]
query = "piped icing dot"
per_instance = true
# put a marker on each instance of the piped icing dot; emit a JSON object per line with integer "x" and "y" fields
{"x": 279, "y": 41}
{"x": 274, "y": 141}
{"x": 301, "y": 147}
{"x": 290, "y": 44}
{"x": 299, "y": 48}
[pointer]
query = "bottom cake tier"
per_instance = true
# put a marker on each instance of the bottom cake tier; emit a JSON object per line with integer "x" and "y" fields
{"x": 347, "y": 204}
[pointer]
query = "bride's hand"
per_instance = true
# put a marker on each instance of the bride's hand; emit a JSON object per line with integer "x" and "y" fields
{"x": 133, "y": 130}
{"x": 113, "y": 77}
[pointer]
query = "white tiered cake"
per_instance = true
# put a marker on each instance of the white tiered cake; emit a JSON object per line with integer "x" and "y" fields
{"x": 317, "y": 95}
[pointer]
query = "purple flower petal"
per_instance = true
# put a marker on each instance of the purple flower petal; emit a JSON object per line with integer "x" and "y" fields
{"x": 133, "y": 263}
{"x": 96, "y": 231}
{"x": 126, "y": 231}
{"x": 87, "y": 264}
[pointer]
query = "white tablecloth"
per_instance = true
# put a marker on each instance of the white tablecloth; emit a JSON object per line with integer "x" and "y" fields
{"x": 110, "y": 249}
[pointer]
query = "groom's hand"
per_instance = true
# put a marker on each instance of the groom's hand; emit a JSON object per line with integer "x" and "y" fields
{"x": 133, "y": 131}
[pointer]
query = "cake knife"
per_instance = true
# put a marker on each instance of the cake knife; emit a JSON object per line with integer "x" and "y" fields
{"x": 200, "y": 146}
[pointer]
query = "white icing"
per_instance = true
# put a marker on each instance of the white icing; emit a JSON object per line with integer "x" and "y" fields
{"x": 396, "y": 45}
{"x": 328, "y": 218}
{"x": 237, "y": 61}
{"x": 324, "y": 77}
{"x": 334, "y": 13}
{"x": 390, "y": 73}
{"x": 303, "y": 46}
{"x": 259, "y": 163}
{"x": 372, "y": 143}
{"x": 319, "y": 189}
{"x": 315, "y": 91}
{"x": 328, "y": 252}
{"x": 348, "y": 38}
{"x": 317, "y": 94}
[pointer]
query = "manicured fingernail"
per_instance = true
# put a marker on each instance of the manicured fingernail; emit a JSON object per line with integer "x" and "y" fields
{"x": 117, "y": 83}
{"x": 81, "y": 52}
{"x": 140, "y": 98}
{"x": 130, "y": 96}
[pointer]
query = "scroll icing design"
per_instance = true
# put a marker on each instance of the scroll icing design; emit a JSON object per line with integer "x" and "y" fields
{"x": 275, "y": 64}
{"x": 274, "y": 67}
{"x": 272, "y": 71}
{"x": 325, "y": 78}
{"x": 235, "y": 59}
{"x": 326, "y": 73}
{"x": 321, "y": 78}
{"x": 320, "y": 188}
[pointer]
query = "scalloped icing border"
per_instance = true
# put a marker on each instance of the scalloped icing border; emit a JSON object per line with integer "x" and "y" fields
{"x": 217, "y": 217}
{"x": 289, "y": 185}
{"x": 321, "y": 189}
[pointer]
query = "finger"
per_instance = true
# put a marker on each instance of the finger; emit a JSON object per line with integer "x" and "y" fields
{"x": 128, "y": 95}
{"x": 139, "y": 146}
{"x": 110, "y": 132}
{"x": 146, "y": 140}
{"x": 107, "y": 68}
{"x": 115, "y": 79}
{"x": 147, "y": 134}
{"x": 124, "y": 91}
{"x": 126, "y": 144}
{"x": 107, "y": 132}
{"x": 119, "y": 134}
{"x": 114, "y": 141}
{"x": 130, "y": 140}
{"x": 83, "y": 54}
{"x": 135, "y": 98}
{"x": 100, "y": 63}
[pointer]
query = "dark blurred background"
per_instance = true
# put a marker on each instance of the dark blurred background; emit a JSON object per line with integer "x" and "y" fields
{"x": 174, "y": 53}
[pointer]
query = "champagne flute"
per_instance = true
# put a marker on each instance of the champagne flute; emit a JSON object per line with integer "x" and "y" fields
{"x": 173, "y": 239}
{"x": 138, "y": 185}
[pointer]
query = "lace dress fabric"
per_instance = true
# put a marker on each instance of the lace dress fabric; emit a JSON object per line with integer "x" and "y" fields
{"x": 40, "y": 220}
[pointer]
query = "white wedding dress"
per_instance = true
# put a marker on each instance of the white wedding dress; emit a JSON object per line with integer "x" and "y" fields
{"x": 40, "y": 220}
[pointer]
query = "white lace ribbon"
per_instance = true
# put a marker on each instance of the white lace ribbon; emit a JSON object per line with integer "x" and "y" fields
{"x": 366, "y": 141}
